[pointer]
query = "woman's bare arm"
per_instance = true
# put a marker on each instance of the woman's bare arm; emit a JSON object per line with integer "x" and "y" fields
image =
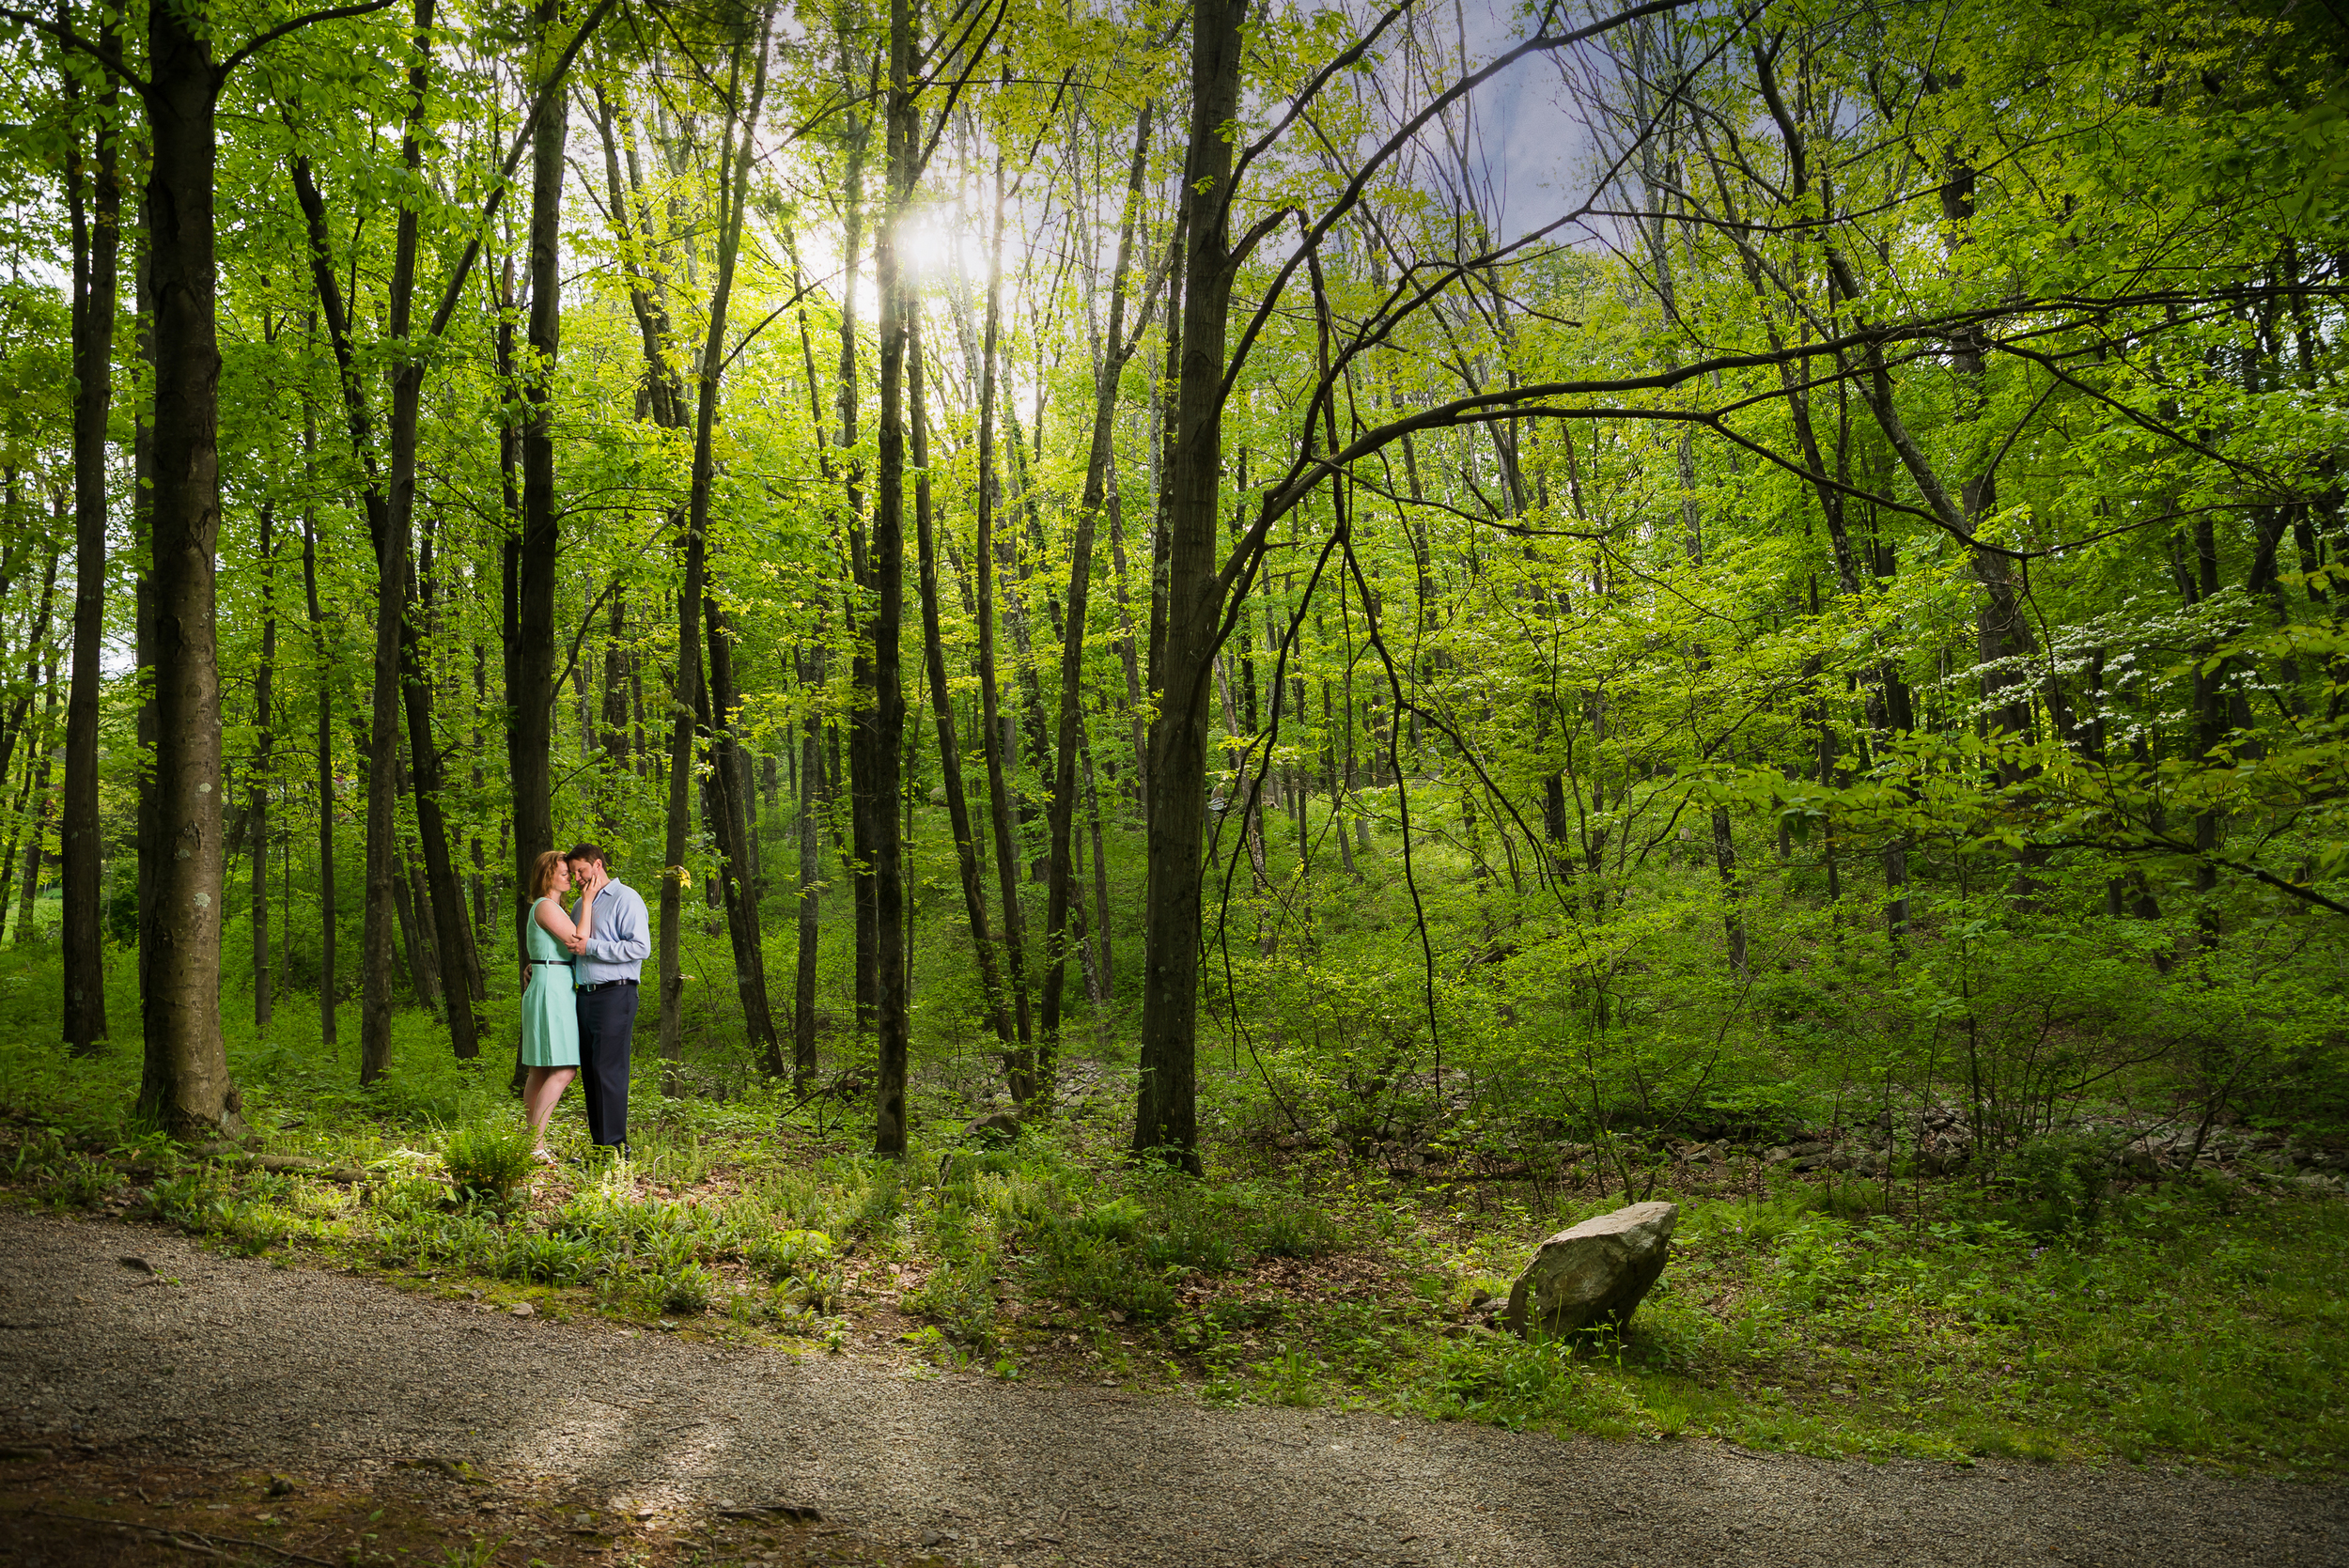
{"x": 550, "y": 916}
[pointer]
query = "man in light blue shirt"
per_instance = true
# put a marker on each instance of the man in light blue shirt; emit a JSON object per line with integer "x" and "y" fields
{"x": 605, "y": 966}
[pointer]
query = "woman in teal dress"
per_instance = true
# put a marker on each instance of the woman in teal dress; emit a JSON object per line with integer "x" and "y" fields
{"x": 549, "y": 1016}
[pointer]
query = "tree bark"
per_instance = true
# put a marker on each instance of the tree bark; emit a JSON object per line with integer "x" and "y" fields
{"x": 689, "y": 697}
{"x": 188, "y": 1089}
{"x": 35, "y": 813}
{"x": 390, "y": 523}
{"x": 460, "y": 982}
{"x": 1166, "y": 1112}
{"x": 889, "y": 703}
{"x": 530, "y": 644}
{"x": 1063, "y": 809}
{"x": 30, "y": 815}
{"x": 83, "y": 842}
{"x": 943, "y": 714}
{"x": 809, "y": 667}
{"x": 257, "y": 807}
{"x": 1018, "y": 1066}
{"x": 732, "y": 816}
{"x": 325, "y": 773}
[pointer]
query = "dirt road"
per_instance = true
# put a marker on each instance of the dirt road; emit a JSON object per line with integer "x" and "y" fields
{"x": 219, "y": 1361}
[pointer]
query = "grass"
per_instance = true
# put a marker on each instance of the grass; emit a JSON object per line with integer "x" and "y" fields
{"x": 487, "y": 1160}
{"x": 2184, "y": 1323}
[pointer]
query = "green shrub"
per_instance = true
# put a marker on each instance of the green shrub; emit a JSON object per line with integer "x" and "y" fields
{"x": 194, "y": 1199}
{"x": 82, "y": 1182}
{"x": 540, "y": 1257}
{"x": 784, "y": 1255}
{"x": 883, "y": 1199}
{"x": 960, "y": 1299}
{"x": 251, "y": 1229}
{"x": 686, "y": 1288}
{"x": 2062, "y": 1181}
{"x": 1120, "y": 1219}
{"x": 488, "y": 1160}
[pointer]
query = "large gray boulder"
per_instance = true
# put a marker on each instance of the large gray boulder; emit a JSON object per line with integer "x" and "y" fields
{"x": 1597, "y": 1272}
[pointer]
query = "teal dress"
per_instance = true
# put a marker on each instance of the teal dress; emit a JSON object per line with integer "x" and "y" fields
{"x": 550, "y": 1016}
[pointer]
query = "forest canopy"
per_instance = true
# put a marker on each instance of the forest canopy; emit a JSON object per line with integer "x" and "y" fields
{"x": 1638, "y": 557}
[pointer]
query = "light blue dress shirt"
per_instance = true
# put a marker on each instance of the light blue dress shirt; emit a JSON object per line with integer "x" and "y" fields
{"x": 623, "y": 937}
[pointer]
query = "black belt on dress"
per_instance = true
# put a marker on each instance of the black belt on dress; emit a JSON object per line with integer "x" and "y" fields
{"x": 550, "y": 963}
{"x": 606, "y": 985}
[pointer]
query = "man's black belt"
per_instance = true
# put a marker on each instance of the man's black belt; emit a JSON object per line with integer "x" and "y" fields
{"x": 606, "y": 985}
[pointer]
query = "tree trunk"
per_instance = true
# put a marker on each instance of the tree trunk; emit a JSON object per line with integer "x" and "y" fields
{"x": 689, "y": 697}
{"x": 264, "y": 761}
{"x": 739, "y": 869}
{"x": 616, "y": 750}
{"x": 155, "y": 1066}
{"x": 530, "y": 644}
{"x": 809, "y": 669}
{"x": 188, "y": 1088}
{"x": 427, "y": 777}
{"x": 942, "y": 713}
{"x": 859, "y": 718}
{"x": 1063, "y": 809}
{"x": 34, "y": 814}
{"x": 1166, "y": 1113}
{"x": 14, "y": 720}
{"x": 83, "y": 845}
{"x": 1018, "y": 1066}
{"x": 325, "y": 775}
{"x": 390, "y": 523}
{"x": 683, "y": 685}
{"x": 889, "y": 703}
{"x": 1108, "y": 984}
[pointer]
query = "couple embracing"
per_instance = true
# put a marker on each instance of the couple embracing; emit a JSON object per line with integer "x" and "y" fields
{"x": 578, "y": 994}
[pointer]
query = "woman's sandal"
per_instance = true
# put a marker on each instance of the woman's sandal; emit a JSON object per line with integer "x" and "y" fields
{"x": 541, "y": 1154}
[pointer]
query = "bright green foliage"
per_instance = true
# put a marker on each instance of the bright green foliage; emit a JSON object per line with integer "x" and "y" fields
{"x": 487, "y": 1160}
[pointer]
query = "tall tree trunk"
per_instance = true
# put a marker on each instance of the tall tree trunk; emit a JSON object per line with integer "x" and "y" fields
{"x": 860, "y": 716}
{"x": 1128, "y": 654}
{"x": 390, "y": 525}
{"x": 426, "y": 776}
{"x": 325, "y": 664}
{"x": 891, "y": 1001}
{"x": 36, "y": 818}
{"x": 530, "y": 644}
{"x": 1166, "y": 1107}
{"x": 942, "y": 711}
{"x": 1108, "y": 984}
{"x": 14, "y": 720}
{"x": 739, "y": 869}
{"x": 187, "y": 1089}
{"x": 1019, "y": 1066}
{"x": 1063, "y": 809}
{"x": 83, "y": 846}
{"x": 809, "y": 668}
{"x": 264, "y": 765}
{"x": 155, "y": 1066}
{"x": 683, "y": 686}
{"x": 615, "y": 747}
{"x": 690, "y": 695}
{"x": 17, "y": 810}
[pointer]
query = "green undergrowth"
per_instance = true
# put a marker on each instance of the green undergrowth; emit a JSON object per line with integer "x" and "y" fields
{"x": 2190, "y": 1322}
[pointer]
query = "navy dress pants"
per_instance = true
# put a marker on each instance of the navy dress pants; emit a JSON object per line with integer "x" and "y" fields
{"x": 607, "y": 1022}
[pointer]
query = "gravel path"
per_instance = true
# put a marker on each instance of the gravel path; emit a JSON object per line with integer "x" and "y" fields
{"x": 242, "y": 1363}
